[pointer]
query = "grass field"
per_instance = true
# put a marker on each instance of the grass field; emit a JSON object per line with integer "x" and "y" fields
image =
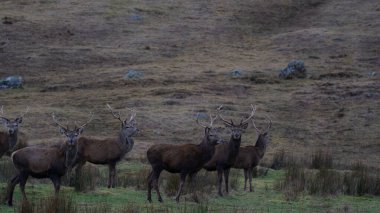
{"x": 264, "y": 199}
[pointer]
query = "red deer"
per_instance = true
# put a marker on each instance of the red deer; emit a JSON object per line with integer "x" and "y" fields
{"x": 226, "y": 153}
{"x": 11, "y": 140}
{"x": 108, "y": 151}
{"x": 250, "y": 156}
{"x": 45, "y": 162}
{"x": 186, "y": 159}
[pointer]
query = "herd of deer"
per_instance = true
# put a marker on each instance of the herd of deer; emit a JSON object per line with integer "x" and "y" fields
{"x": 53, "y": 161}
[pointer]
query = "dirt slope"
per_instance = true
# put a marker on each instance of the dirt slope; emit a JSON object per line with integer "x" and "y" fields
{"x": 74, "y": 54}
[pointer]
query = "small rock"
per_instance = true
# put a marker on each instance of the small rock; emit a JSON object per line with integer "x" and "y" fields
{"x": 133, "y": 74}
{"x": 11, "y": 82}
{"x": 295, "y": 69}
{"x": 237, "y": 73}
{"x": 202, "y": 116}
{"x": 136, "y": 18}
{"x": 372, "y": 74}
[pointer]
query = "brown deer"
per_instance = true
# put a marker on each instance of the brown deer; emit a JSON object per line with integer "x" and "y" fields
{"x": 108, "y": 151}
{"x": 185, "y": 159}
{"x": 12, "y": 139}
{"x": 45, "y": 162}
{"x": 226, "y": 153}
{"x": 250, "y": 156}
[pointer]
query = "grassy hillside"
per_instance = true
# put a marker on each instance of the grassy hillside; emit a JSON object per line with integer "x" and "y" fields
{"x": 73, "y": 56}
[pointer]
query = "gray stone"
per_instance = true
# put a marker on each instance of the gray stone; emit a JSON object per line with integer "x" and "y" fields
{"x": 11, "y": 82}
{"x": 295, "y": 69}
{"x": 237, "y": 73}
{"x": 131, "y": 74}
{"x": 136, "y": 18}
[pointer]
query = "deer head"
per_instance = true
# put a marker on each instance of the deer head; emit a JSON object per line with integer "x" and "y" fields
{"x": 12, "y": 126}
{"x": 237, "y": 129}
{"x": 212, "y": 133}
{"x": 71, "y": 139}
{"x": 128, "y": 126}
{"x": 263, "y": 135}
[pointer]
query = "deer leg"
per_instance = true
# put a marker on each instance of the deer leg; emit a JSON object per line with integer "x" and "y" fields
{"x": 11, "y": 187}
{"x": 57, "y": 184}
{"x": 250, "y": 171}
{"x": 226, "y": 174}
{"x": 113, "y": 174}
{"x": 78, "y": 170}
{"x": 150, "y": 179}
{"x": 183, "y": 178}
{"x": 245, "y": 179}
{"x": 220, "y": 179}
{"x": 23, "y": 178}
{"x": 156, "y": 176}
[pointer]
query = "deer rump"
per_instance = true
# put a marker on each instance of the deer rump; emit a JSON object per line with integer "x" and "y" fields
{"x": 40, "y": 162}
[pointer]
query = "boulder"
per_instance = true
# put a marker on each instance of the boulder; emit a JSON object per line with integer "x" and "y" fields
{"x": 295, "y": 69}
{"x": 11, "y": 82}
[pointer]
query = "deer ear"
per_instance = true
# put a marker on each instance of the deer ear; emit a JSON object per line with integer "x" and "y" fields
{"x": 62, "y": 131}
{"x": 19, "y": 120}
{"x": 80, "y": 130}
{"x": 244, "y": 126}
{"x": 4, "y": 121}
{"x": 207, "y": 130}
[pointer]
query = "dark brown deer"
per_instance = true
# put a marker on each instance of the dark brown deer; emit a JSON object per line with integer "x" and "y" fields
{"x": 226, "y": 153}
{"x": 45, "y": 162}
{"x": 12, "y": 139}
{"x": 186, "y": 159}
{"x": 249, "y": 156}
{"x": 108, "y": 151}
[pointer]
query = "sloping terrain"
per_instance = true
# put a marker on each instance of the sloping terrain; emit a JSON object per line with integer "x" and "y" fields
{"x": 74, "y": 54}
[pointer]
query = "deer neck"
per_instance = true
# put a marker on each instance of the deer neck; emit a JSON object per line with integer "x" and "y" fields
{"x": 233, "y": 147}
{"x": 12, "y": 139}
{"x": 207, "y": 149}
{"x": 261, "y": 147}
{"x": 126, "y": 141}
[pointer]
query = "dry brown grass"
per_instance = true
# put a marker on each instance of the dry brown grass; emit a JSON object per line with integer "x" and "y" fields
{"x": 186, "y": 50}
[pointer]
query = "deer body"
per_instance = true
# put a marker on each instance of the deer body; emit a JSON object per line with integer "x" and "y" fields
{"x": 44, "y": 162}
{"x": 12, "y": 139}
{"x": 249, "y": 156}
{"x": 226, "y": 153}
{"x": 107, "y": 151}
{"x": 223, "y": 159}
{"x": 186, "y": 159}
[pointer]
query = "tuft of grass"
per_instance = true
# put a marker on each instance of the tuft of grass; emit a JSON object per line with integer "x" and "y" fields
{"x": 62, "y": 204}
{"x": 321, "y": 160}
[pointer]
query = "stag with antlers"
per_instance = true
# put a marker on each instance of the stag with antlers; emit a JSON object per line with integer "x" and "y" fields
{"x": 249, "y": 156}
{"x": 226, "y": 153}
{"x": 45, "y": 162}
{"x": 108, "y": 151}
{"x": 186, "y": 159}
{"x": 12, "y": 139}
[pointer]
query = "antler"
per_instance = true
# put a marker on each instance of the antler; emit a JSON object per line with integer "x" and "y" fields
{"x": 117, "y": 116}
{"x": 250, "y": 116}
{"x": 92, "y": 116}
{"x": 268, "y": 127}
{"x": 224, "y": 120}
{"x": 26, "y": 111}
{"x": 212, "y": 119}
{"x": 133, "y": 114}
{"x": 56, "y": 122}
